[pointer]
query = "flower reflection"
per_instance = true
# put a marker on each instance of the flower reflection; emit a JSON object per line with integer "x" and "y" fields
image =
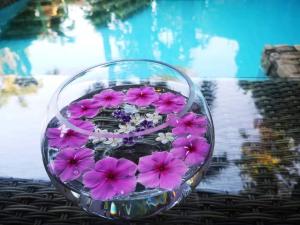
{"x": 271, "y": 160}
{"x": 11, "y": 86}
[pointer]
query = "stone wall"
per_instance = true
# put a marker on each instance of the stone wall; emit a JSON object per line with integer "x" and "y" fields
{"x": 281, "y": 61}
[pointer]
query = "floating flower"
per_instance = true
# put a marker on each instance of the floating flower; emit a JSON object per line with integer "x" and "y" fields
{"x": 111, "y": 177}
{"x": 190, "y": 123}
{"x": 129, "y": 140}
{"x": 137, "y": 119}
{"x": 130, "y": 109}
{"x": 154, "y": 117}
{"x": 113, "y": 141}
{"x": 87, "y": 107}
{"x": 146, "y": 124}
{"x": 97, "y": 139}
{"x": 109, "y": 98}
{"x": 169, "y": 103}
{"x": 143, "y": 96}
{"x": 193, "y": 150}
{"x": 127, "y": 128}
{"x": 63, "y": 137}
{"x": 70, "y": 163}
{"x": 161, "y": 169}
{"x": 120, "y": 114}
{"x": 172, "y": 120}
{"x": 165, "y": 137}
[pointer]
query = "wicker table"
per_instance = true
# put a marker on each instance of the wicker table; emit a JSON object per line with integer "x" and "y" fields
{"x": 254, "y": 174}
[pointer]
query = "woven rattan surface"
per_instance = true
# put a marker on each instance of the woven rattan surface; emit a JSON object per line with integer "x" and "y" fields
{"x": 29, "y": 202}
{"x": 256, "y": 159}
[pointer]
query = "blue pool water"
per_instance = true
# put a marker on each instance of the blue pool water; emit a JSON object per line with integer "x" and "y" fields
{"x": 207, "y": 38}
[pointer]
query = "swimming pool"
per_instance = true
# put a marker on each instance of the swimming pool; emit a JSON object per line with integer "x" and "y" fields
{"x": 215, "y": 39}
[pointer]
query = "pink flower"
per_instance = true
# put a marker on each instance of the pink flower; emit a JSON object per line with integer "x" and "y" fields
{"x": 141, "y": 96}
{"x": 109, "y": 98}
{"x": 192, "y": 150}
{"x": 190, "y": 123}
{"x": 172, "y": 119}
{"x": 111, "y": 177}
{"x": 169, "y": 103}
{"x": 63, "y": 137}
{"x": 87, "y": 107}
{"x": 161, "y": 169}
{"x": 70, "y": 163}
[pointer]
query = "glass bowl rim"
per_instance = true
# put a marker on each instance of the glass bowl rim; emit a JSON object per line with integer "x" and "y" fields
{"x": 69, "y": 125}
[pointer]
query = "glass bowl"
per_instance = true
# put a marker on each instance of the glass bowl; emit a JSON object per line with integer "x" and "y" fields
{"x": 127, "y": 139}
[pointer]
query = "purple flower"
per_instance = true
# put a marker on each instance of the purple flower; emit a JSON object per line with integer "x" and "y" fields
{"x": 146, "y": 124}
{"x": 118, "y": 113}
{"x": 63, "y": 137}
{"x": 111, "y": 177}
{"x": 192, "y": 150}
{"x": 190, "y": 123}
{"x": 143, "y": 96}
{"x": 126, "y": 118}
{"x": 161, "y": 169}
{"x": 143, "y": 126}
{"x": 129, "y": 140}
{"x": 121, "y": 115}
{"x": 87, "y": 107}
{"x": 169, "y": 103}
{"x": 109, "y": 98}
{"x": 70, "y": 163}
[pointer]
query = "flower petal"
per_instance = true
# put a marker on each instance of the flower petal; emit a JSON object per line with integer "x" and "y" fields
{"x": 103, "y": 191}
{"x": 149, "y": 179}
{"x": 58, "y": 166}
{"x": 84, "y": 153}
{"x": 66, "y": 154}
{"x": 160, "y": 156}
{"x": 179, "y": 152}
{"x": 170, "y": 181}
{"x": 69, "y": 173}
{"x": 108, "y": 163}
{"x": 126, "y": 167}
{"x": 125, "y": 185}
{"x": 145, "y": 163}
{"x": 194, "y": 158}
{"x": 92, "y": 178}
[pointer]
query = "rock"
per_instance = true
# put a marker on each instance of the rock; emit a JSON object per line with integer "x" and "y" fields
{"x": 281, "y": 61}
{"x": 297, "y": 47}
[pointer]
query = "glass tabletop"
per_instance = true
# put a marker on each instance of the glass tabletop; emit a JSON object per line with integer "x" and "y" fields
{"x": 256, "y": 126}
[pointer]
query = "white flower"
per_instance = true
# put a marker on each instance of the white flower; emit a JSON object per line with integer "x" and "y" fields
{"x": 137, "y": 119}
{"x": 126, "y": 128}
{"x": 165, "y": 137}
{"x": 130, "y": 108}
{"x": 154, "y": 117}
{"x": 113, "y": 141}
{"x": 97, "y": 139}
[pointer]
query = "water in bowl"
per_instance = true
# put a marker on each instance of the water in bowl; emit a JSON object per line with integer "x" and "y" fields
{"x": 143, "y": 201}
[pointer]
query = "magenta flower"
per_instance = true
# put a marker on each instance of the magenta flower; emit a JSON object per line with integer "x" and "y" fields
{"x": 63, "y": 137}
{"x": 192, "y": 150}
{"x": 172, "y": 120}
{"x": 190, "y": 123}
{"x": 169, "y": 103}
{"x": 70, "y": 163}
{"x": 143, "y": 96}
{"x": 111, "y": 177}
{"x": 161, "y": 169}
{"x": 87, "y": 107}
{"x": 109, "y": 98}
